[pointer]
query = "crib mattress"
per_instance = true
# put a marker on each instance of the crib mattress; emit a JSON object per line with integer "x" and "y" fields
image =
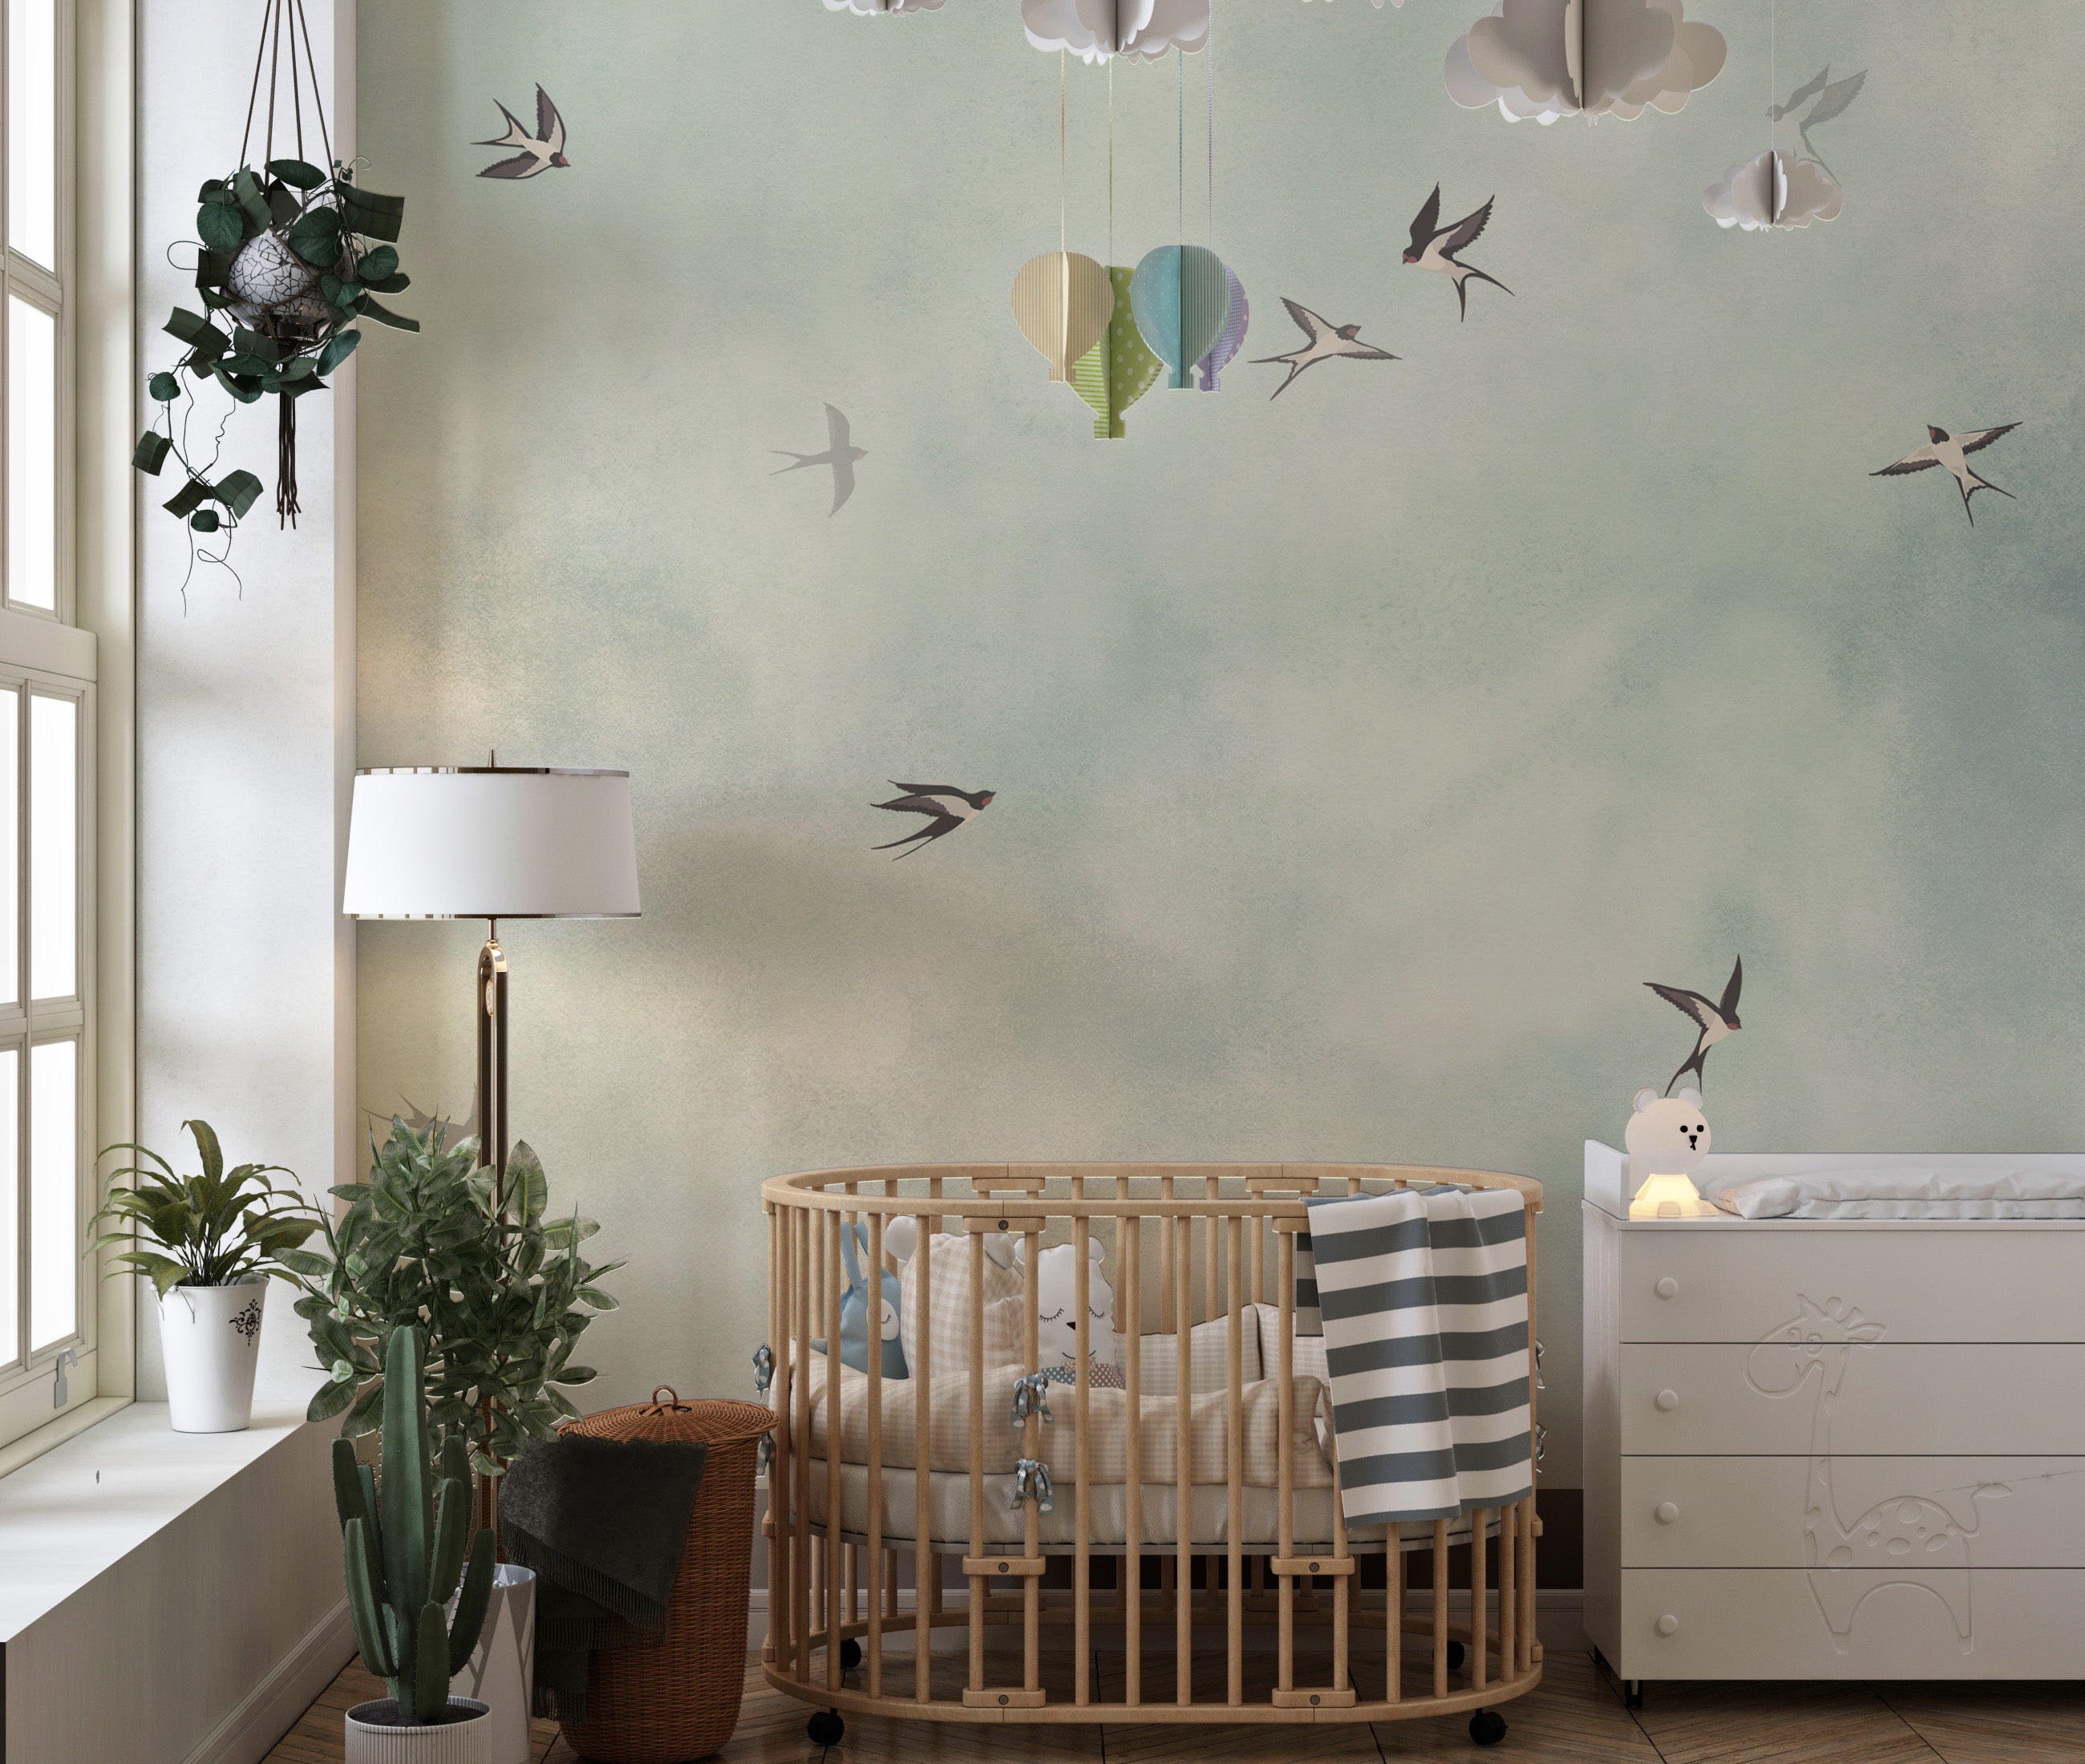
{"x": 948, "y": 1521}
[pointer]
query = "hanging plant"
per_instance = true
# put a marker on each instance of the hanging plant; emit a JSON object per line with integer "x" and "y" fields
{"x": 290, "y": 260}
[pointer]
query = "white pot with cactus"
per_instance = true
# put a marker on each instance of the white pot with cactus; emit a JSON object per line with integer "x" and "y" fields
{"x": 405, "y": 1559}
{"x": 209, "y": 1243}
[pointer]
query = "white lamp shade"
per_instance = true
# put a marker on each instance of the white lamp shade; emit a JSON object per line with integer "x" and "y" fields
{"x": 439, "y": 842}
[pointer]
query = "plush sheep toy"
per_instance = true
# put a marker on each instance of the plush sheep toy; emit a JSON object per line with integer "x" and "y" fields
{"x": 1057, "y": 1313}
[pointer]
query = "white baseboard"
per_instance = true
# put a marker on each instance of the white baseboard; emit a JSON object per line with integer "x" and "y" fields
{"x": 1560, "y": 1617}
{"x": 273, "y": 1706}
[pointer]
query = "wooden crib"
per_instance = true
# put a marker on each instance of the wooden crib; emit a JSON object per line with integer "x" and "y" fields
{"x": 1225, "y": 1241}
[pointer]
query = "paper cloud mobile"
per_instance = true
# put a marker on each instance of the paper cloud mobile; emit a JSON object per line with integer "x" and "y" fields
{"x": 1099, "y": 30}
{"x": 1552, "y": 59}
{"x": 876, "y": 8}
{"x": 1771, "y": 189}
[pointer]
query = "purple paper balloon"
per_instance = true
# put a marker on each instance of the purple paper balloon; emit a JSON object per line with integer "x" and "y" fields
{"x": 1229, "y": 340}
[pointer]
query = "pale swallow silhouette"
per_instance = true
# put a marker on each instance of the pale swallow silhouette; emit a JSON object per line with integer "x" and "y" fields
{"x": 1942, "y": 448}
{"x": 1323, "y": 340}
{"x": 840, "y": 454}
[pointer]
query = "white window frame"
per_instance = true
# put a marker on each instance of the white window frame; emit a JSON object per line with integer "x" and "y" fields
{"x": 84, "y": 649}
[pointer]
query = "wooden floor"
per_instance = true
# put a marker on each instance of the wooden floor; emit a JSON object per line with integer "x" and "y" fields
{"x": 1576, "y": 1717}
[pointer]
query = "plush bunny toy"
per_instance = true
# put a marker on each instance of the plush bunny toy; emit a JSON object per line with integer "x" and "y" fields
{"x": 854, "y": 1312}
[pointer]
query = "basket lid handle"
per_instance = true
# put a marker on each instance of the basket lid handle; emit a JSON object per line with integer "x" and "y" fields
{"x": 672, "y": 1400}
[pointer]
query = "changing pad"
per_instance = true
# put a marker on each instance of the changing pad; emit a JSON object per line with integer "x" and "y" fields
{"x": 1911, "y": 1192}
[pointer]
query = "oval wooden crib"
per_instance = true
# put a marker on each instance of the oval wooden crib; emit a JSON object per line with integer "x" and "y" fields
{"x": 848, "y": 1526}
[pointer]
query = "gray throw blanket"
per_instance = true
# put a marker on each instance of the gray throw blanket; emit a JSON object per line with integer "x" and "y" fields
{"x": 601, "y": 1522}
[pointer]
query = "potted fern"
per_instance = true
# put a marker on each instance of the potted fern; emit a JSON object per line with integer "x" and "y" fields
{"x": 209, "y": 1244}
{"x": 406, "y": 1558}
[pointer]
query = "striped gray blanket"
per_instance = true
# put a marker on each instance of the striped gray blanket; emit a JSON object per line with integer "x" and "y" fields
{"x": 1422, "y": 1295}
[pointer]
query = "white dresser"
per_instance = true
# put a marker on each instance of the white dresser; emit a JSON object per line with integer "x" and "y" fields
{"x": 1833, "y": 1449}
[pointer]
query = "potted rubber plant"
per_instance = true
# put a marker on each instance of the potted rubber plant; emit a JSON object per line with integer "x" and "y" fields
{"x": 210, "y": 1243}
{"x": 408, "y": 1554}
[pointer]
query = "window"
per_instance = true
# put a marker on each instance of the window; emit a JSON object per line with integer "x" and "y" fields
{"x": 47, "y": 711}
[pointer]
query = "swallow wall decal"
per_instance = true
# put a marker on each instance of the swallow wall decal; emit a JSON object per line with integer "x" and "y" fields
{"x": 539, "y": 152}
{"x": 1323, "y": 341}
{"x": 1832, "y": 98}
{"x": 1433, "y": 247}
{"x": 1714, "y": 1020}
{"x": 840, "y": 454}
{"x": 948, "y": 806}
{"x": 1951, "y": 450}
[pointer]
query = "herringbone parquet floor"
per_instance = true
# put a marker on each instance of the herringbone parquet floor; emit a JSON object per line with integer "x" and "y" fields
{"x": 1576, "y": 1717}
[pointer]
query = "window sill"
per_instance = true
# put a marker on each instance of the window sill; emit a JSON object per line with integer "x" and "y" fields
{"x": 83, "y": 1505}
{"x": 60, "y": 1428}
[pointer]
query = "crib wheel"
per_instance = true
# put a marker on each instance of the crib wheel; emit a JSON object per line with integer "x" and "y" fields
{"x": 1487, "y": 1727}
{"x": 1456, "y": 1654}
{"x": 849, "y": 1656}
{"x": 827, "y": 1728}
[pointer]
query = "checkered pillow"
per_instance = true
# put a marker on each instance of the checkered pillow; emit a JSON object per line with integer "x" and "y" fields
{"x": 947, "y": 1327}
{"x": 1208, "y": 1357}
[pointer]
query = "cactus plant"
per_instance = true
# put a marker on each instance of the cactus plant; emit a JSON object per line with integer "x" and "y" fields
{"x": 404, "y": 1552}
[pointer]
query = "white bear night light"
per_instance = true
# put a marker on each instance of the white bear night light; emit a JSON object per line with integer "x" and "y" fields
{"x": 1667, "y": 1138}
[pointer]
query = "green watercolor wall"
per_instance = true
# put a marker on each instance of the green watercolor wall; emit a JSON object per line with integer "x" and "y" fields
{"x": 1359, "y": 753}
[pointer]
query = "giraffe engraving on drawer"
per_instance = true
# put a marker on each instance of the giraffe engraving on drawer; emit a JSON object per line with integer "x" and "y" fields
{"x": 1813, "y": 1350}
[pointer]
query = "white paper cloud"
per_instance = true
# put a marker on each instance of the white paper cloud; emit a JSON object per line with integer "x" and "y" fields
{"x": 868, "y": 8}
{"x": 1136, "y": 30}
{"x": 1771, "y": 189}
{"x": 1531, "y": 58}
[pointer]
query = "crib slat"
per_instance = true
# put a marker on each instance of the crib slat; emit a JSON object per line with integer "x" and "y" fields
{"x": 1128, "y": 1253}
{"x": 1343, "y": 1580}
{"x": 926, "y": 1565}
{"x": 802, "y": 1546}
{"x": 1234, "y": 1455}
{"x": 1480, "y": 1601}
{"x": 1183, "y": 1416}
{"x": 1508, "y": 1611}
{"x": 780, "y": 1604}
{"x": 1285, "y": 1294}
{"x": 1440, "y": 1607}
{"x": 836, "y": 1565}
{"x": 1082, "y": 1503}
{"x": 874, "y": 1560}
{"x": 1031, "y": 1446}
{"x": 1164, "y": 1262}
{"x": 1393, "y": 1615}
{"x": 977, "y": 1582}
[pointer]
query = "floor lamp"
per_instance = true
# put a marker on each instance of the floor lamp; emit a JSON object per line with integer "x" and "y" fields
{"x": 490, "y": 841}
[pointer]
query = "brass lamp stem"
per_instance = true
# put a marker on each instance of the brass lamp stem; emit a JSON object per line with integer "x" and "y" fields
{"x": 492, "y": 1061}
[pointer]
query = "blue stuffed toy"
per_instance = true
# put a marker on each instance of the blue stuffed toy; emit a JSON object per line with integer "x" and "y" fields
{"x": 854, "y": 1312}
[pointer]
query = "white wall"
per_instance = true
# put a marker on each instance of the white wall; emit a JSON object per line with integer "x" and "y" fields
{"x": 245, "y": 972}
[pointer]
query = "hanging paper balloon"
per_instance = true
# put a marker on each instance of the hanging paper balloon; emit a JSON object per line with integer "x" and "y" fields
{"x": 1062, "y": 302}
{"x": 1182, "y": 301}
{"x": 1120, "y": 368}
{"x": 1229, "y": 340}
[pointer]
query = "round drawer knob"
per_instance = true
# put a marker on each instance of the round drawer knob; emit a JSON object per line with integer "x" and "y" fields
{"x": 1667, "y": 1401}
{"x": 1667, "y": 1625}
{"x": 1665, "y": 1512}
{"x": 1667, "y": 1288}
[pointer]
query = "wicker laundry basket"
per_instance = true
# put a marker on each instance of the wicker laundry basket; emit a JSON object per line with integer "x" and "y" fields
{"x": 679, "y": 1699}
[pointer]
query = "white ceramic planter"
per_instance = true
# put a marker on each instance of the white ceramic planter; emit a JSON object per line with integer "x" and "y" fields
{"x": 501, "y": 1670}
{"x": 210, "y": 1338}
{"x": 454, "y": 1742}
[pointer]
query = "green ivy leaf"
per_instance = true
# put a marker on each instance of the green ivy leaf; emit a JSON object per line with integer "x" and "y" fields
{"x": 378, "y": 264}
{"x": 300, "y": 174}
{"x": 184, "y": 502}
{"x": 205, "y": 520}
{"x": 237, "y": 490}
{"x": 337, "y": 349}
{"x": 219, "y": 226}
{"x": 153, "y": 448}
{"x": 164, "y": 388}
{"x": 320, "y": 250}
{"x": 384, "y": 315}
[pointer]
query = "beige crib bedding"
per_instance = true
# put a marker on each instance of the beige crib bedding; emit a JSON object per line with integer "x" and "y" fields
{"x": 1109, "y": 1410}
{"x": 948, "y": 1515}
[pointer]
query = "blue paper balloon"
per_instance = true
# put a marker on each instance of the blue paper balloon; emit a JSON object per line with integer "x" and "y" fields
{"x": 1180, "y": 298}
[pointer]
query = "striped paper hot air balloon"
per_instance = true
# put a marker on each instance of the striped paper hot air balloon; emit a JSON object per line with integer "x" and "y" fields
{"x": 1120, "y": 368}
{"x": 1182, "y": 298}
{"x": 1062, "y": 302}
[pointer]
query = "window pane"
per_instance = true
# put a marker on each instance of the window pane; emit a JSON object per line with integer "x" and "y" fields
{"x": 54, "y": 846}
{"x": 10, "y": 830}
{"x": 54, "y": 1258}
{"x": 32, "y": 456}
{"x": 32, "y": 129}
{"x": 11, "y": 1201}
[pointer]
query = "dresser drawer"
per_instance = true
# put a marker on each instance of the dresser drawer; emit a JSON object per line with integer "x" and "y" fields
{"x": 1854, "y": 1623}
{"x": 1744, "y": 1283}
{"x": 1896, "y": 1399}
{"x": 1887, "y": 1512}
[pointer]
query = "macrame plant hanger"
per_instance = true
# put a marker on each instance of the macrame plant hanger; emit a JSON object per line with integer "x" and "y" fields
{"x": 281, "y": 19}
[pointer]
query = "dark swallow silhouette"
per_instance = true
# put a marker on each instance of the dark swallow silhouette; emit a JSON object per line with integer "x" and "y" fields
{"x": 538, "y": 152}
{"x": 1433, "y": 247}
{"x": 950, "y": 807}
{"x": 1832, "y": 97}
{"x": 1942, "y": 448}
{"x": 1324, "y": 340}
{"x": 1715, "y": 1021}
